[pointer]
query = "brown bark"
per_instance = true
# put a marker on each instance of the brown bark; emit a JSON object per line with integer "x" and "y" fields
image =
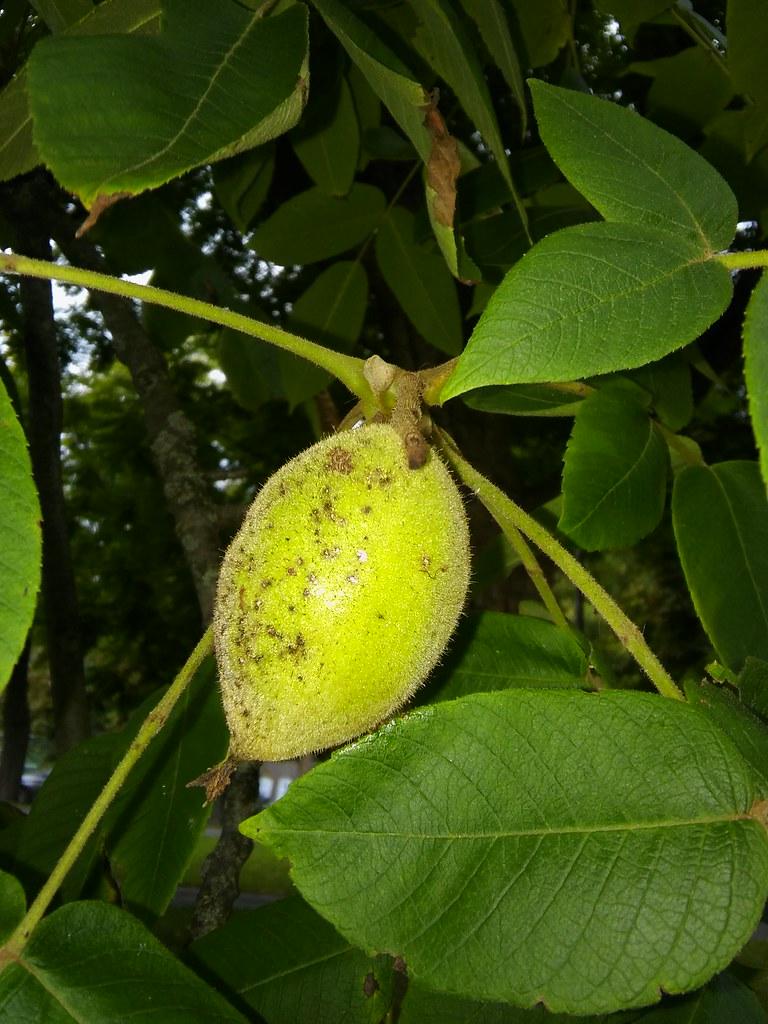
{"x": 70, "y": 707}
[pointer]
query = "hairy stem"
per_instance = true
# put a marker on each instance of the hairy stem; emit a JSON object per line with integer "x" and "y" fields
{"x": 348, "y": 369}
{"x": 743, "y": 260}
{"x": 504, "y": 510}
{"x": 150, "y": 727}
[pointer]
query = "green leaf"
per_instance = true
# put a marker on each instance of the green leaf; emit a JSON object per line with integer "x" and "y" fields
{"x": 327, "y": 139}
{"x": 242, "y": 183}
{"x": 687, "y": 90}
{"x": 252, "y": 368}
{"x": 92, "y": 962}
{"x": 632, "y": 13}
{"x": 423, "y": 1006}
{"x": 668, "y": 382}
{"x": 443, "y": 37}
{"x": 594, "y": 843}
{"x": 331, "y": 311}
{"x": 13, "y": 904}
{"x": 493, "y": 24}
{"x": 420, "y": 281}
{"x": 591, "y": 299}
{"x": 20, "y": 544}
{"x": 632, "y": 171}
{"x": 753, "y": 685}
{"x": 394, "y": 83}
{"x": 615, "y": 471}
{"x": 59, "y": 14}
{"x": 544, "y": 28}
{"x": 292, "y": 967}
{"x": 747, "y": 733}
{"x": 525, "y": 400}
{"x": 495, "y": 651}
{"x": 156, "y": 821}
{"x": 17, "y": 148}
{"x": 756, "y": 367}
{"x": 720, "y": 516}
{"x": 725, "y": 1000}
{"x": 747, "y": 42}
{"x": 238, "y": 81}
{"x": 313, "y": 226}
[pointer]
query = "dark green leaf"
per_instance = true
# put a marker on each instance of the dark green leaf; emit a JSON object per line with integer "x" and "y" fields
{"x": 756, "y": 367}
{"x": 748, "y": 734}
{"x": 394, "y": 83}
{"x": 420, "y": 281}
{"x": 632, "y": 171}
{"x": 591, "y": 299}
{"x": 238, "y": 81}
{"x": 668, "y": 382}
{"x": 423, "y": 1006}
{"x": 331, "y": 311}
{"x": 20, "y": 544}
{"x": 544, "y": 28}
{"x": 720, "y": 515}
{"x": 313, "y": 226}
{"x": 525, "y": 400}
{"x": 90, "y": 962}
{"x": 253, "y": 369}
{"x": 615, "y": 471}
{"x": 17, "y": 148}
{"x": 687, "y": 90}
{"x": 605, "y": 838}
{"x": 156, "y": 821}
{"x": 327, "y": 140}
{"x": 242, "y": 183}
{"x": 291, "y": 966}
{"x": 725, "y": 1000}
{"x": 753, "y": 685}
{"x": 13, "y": 904}
{"x": 747, "y": 43}
{"x": 495, "y": 651}
{"x": 59, "y": 14}
{"x": 493, "y": 24}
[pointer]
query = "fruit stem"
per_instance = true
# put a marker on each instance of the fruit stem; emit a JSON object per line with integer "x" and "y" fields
{"x": 348, "y": 369}
{"x": 504, "y": 510}
{"x": 150, "y": 727}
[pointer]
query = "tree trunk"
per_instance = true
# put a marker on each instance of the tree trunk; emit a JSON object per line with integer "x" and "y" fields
{"x": 16, "y": 721}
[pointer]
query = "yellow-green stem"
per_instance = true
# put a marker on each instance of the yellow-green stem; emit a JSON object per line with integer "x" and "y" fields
{"x": 150, "y": 727}
{"x": 743, "y": 260}
{"x": 504, "y": 510}
{"x": 348, "y": 369}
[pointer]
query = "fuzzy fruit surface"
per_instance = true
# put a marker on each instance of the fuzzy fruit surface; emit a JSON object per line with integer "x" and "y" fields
{"x": 338, "y": 595}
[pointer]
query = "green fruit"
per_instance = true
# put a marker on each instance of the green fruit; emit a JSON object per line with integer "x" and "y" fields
{"x": 338, "y": 595}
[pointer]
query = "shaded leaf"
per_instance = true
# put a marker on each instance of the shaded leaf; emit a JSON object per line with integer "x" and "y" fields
{"x": 591, "y": 299}
{"x": 544, "y": 29}
{"x": 525, "y": 400}
{"x": 720, "y": 516}
{"x": 327, "y": 139}
{"x": 492, "y": 22}
{"x": 668, "y": 382}
{"x": 312, "y": 226}
{"x": 496, "y": 651}
{"x": 252, "y": 368}
{"x": 605, "y": 840}
{"x": 423, "y": 1006}
{"x": 155, "y": 822}
{"x": 13, "y": 904}
{"x": 92, "y": 962}
{"x": 725, "y": 1000}
{"x": 20, "y": 540}
{"x": 59, "y": 14}
{"x": 753, "y": 685}
{"x": 18, "y": 153}
{"x": 242, "y": 183}
{"x": 615, "y": 471}
{"x": 632, "y": 171}
{"x": 687, "y": 91}
{"x": 748, "y": 734}
{"x": 331, "y": 311}
{"x": 747, "y": 43}
{"x": 756, "y": 367}
{"x": 238, "y": 82}
{"x": 631, "y": 13}
{"x": 291, "y": 966}
{"x": 420, "y": 281}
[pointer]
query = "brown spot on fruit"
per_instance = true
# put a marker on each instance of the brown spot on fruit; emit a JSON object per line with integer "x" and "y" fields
{"x": 339, "y": 460}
